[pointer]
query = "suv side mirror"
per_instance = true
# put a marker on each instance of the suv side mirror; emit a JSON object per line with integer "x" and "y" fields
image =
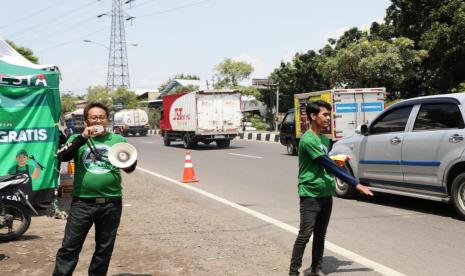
{"x": 364, "y": 130}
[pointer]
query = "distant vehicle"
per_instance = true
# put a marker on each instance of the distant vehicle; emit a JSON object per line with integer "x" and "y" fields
{"x": 351, "y": 108}
{"x": 201, "y": 116}
{"x": 131, "y": 121}
{"x": 75, "y": 121}
{"x": 414, "y": 148}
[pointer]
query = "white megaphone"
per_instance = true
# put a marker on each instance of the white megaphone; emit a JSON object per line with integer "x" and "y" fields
{"x": 122, "y": 155}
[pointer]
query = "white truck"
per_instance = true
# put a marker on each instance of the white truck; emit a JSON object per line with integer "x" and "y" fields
{"x": 201, "y": 116}
{"x": 351, "y": 108}
{"x": 131, "y": 121}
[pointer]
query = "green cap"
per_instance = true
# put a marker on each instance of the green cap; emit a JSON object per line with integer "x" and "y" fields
{"x": 21, "y": 152}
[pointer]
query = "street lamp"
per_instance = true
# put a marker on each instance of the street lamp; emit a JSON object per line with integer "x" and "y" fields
{"x": 98, "y": 43}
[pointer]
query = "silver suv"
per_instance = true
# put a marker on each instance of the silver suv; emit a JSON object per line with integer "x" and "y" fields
{"x": 414, "y": 148}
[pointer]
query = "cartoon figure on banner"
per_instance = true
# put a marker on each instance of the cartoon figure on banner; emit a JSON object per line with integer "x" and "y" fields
{"x": 22, "y": 165}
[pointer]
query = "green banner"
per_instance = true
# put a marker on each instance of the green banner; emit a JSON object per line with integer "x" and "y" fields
{"x": 29, "y": 115}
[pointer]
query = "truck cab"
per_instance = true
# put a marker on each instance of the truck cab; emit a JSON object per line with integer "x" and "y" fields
{"x": 350, "y": 109}
{"x": 287, "y": 134}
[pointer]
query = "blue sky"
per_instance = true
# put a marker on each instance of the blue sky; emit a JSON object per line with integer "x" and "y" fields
{"x": 178, "y": 36}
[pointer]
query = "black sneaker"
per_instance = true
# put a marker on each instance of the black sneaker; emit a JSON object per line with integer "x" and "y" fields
{"x": 313, "y": 272}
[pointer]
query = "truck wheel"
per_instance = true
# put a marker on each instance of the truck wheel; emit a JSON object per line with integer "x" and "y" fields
{"x": 166, "y": 141}
{"x": 223, "y": 144}
{"x": 344, "y": 190}
{"x": 291, "y": 148}
{"x": 458, "y": 194}
{"x": 187, "y": 141}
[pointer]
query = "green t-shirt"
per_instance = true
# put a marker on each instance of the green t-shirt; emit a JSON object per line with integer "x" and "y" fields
{"x": 95, "y": 178}
{"x": 17, "y": 169}
{"x": 314, "y": 180}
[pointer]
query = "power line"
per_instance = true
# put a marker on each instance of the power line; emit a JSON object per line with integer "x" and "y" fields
{"x": 175, "y": 9}
{"x": 155, "y": 13}
{"x": 58, "y": 32}
{"x": 71, "y": 41}
{"x": 50, "y": 20}
{"x": 36, "y": 12}
{"x": 141, "y": 4}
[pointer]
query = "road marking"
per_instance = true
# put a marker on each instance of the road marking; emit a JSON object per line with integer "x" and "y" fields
{"x": 147, "y": 142}
{"x": 244, "y": 155}
{"x": 384, "y": 270}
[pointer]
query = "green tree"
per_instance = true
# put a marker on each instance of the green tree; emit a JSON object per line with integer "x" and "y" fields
{"x": 374, "y": 64}
{"x": 25, "y": 52}
{"x": 349, "y": 37}
{"x": 437, "y": 27}
{"x": 124, "y": 96}
{"x": 179, "y": 77}
{"x": 298, "y": 76}
{"x": 99, "y": 94}
{"x": 183, "y": 89}
{"x": 68, "y": 102}
{"x": 230, "y": 73}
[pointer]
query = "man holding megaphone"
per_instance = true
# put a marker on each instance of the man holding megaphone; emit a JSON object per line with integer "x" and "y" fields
{"x": 98, "y": 156}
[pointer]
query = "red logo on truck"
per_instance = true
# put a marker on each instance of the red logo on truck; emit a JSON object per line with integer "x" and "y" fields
{"x": 179, "y": 116}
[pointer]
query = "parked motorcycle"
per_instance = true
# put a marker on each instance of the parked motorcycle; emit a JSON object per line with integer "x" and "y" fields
{"x": 14, "y": 216}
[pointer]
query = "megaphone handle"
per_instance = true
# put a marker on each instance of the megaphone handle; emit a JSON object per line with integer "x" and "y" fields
{"x": 131, "y": 168}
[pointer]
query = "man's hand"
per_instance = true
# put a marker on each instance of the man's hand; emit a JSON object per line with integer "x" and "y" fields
{"x": 363, "y": 190}
{"x": 92, "y": 131}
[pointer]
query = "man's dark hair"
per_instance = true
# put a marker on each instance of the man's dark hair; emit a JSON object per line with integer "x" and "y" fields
{"x": 314, "y": 107}
{"x": 92, "y": 105}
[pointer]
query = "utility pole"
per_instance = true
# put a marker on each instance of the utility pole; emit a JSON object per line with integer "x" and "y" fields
{"x": 118, "y": 69}
{"x": 277, "y": 107}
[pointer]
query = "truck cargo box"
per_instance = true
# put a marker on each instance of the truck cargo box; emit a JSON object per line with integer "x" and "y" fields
{"x": 202, "y": 116}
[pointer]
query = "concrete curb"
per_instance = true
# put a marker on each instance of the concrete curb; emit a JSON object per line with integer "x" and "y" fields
{"x": 255, "y": 136}
{"x": 260, "y": 136}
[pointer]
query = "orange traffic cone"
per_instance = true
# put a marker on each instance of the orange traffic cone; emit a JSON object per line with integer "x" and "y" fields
{"x": 189, "y": 174}
{"x": 71, "y": 167}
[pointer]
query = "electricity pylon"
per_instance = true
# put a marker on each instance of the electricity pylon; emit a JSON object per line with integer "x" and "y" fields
{"x": 118, "y": 69}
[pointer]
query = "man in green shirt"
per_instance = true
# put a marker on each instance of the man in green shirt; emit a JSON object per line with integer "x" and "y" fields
{"x": 316, "y": 187}
{"x": 96, "y": 193}
{"x": 33, "y": 171}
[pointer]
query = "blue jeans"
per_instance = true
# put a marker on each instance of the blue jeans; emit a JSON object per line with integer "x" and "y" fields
{"x": 314, "y": 218}
{"x": 82, "y": 215}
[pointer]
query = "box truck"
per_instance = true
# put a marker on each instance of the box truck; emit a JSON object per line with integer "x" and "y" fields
{"x": 201, "y": 116}
{"x": 131, "y": 121}
{"x": 350, "y": 109}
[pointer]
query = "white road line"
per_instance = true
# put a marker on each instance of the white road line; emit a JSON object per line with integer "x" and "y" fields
{"x": 147, "y": 142}
{"x": 384, "y": 270}
{"x": 244, "y": 155}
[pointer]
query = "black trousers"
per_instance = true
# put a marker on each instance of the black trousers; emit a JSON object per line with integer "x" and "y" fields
{"x": 314, "y": 218}
{"x": 82, "y": 215}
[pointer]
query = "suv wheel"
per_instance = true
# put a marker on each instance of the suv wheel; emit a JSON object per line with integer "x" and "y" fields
{"x": 344, "y": 190}
{"x": 291, "y": 148}
{"x": 458, "y": 194}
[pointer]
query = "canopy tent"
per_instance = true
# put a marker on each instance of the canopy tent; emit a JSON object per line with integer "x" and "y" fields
{"x": 29, "y": 115}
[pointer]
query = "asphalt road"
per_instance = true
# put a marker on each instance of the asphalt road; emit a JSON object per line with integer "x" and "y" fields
{"x": 391, "y": 233}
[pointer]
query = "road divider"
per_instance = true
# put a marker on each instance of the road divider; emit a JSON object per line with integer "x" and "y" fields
{"x": 254, "y": 136}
